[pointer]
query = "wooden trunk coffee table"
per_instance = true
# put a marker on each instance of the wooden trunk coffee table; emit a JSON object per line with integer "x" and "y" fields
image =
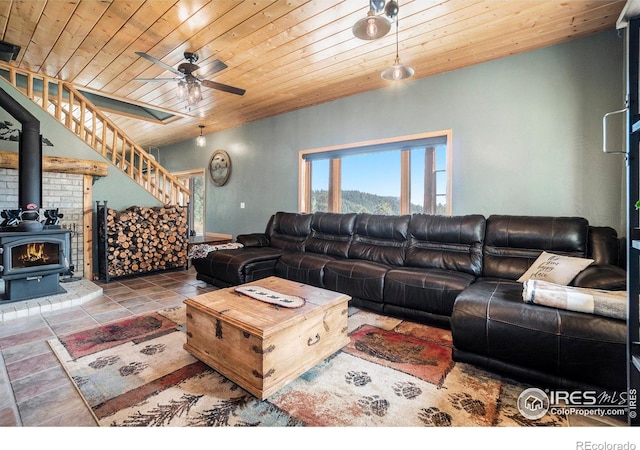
{"x": 261, "y": 346}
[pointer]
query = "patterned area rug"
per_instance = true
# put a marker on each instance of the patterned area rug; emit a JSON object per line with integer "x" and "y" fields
{"x": 392, "y": 373}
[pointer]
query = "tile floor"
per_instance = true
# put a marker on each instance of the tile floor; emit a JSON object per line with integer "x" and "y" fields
{"x": 34, "y": 389}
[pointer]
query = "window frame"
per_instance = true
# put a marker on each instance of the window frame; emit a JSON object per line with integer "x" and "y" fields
{"x": 184, "y": 177}
{"x": 401, "y": 142}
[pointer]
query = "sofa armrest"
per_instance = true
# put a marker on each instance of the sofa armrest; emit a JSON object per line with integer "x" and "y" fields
{"x": 602, "y": 276}
{"x": 253, "y": 240}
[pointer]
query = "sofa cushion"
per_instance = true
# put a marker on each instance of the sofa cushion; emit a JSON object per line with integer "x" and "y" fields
{"x": 305, "y": 267}
{"x": 493, "y": 327}
{"x": 253, "y": 240}
{"x": 446, "y": 242}
{"x": 379, "y": 238}
{"x": 603, "y": 246}
{"x": 602, "y": 276}
{"x": 556, "y": 269}
{"x": 513, "y": 243}
{"x": 232, "y": 267}
{"x": 330, "y": 234}
{"x": 357, "y": 278}
{"x": 426, "y": 290}
{"x": 290, "y": 230}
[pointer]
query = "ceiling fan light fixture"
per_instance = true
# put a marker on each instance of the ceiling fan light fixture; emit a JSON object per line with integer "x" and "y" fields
{"x": 181, "y": 93}
{"x": 201, "y": 141}
{"x": 189, "y": 85}
{"x": 195, "y": 94}
{"x": 371, "y": 27}
{"x": 189, "y": 91}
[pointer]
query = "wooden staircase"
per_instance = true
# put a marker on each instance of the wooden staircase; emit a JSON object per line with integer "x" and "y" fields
{"x": 69, "y": 107}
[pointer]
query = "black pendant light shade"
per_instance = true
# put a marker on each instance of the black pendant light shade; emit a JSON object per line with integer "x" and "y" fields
{"x": 391, "y": 11}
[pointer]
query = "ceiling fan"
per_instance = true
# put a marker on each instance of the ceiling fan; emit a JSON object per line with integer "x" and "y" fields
{"x": 188, "y": 82}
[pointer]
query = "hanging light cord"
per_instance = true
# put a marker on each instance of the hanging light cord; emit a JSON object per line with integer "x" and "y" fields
{"x": 397, "y": 52}
{"x": 398, "y": 71}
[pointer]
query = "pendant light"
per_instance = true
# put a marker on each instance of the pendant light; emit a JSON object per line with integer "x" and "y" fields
{"x": 201, "y": 141}
{"x": 371, "y": 27}
{"x": 398, "y": 71}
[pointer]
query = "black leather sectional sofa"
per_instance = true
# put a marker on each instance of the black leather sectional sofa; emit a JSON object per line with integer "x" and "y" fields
{"x": 455, "y": 271}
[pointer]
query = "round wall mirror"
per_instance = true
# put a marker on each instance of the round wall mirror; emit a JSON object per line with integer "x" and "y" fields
{"x": 219, "y": 167}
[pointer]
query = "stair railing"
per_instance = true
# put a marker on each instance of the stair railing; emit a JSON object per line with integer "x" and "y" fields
{"x": 69, "y": 107}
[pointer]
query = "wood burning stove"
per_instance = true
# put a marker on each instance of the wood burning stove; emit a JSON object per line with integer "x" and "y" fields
{"x": 31, "y": 263}
{"x": 32, "y": 256}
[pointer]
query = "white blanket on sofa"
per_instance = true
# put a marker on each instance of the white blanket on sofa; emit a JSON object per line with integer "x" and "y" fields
{"x": 202, "y": 250}
{"x": 594, "y": 301}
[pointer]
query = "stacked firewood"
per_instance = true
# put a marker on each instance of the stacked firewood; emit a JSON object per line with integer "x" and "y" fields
{"x": 143, "y": 239}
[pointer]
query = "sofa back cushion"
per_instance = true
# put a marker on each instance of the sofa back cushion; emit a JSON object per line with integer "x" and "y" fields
{"x": 290, "y": 230}
{"x": 604, "y": 246}
{"x": 331, "y": 233}
{"x": 513, "y": 243}
{"x": 445, "y": 242}
{"x": 380, "y": 238}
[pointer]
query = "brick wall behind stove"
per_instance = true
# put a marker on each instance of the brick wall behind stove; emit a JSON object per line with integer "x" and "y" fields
{"x": 59, "y": 190}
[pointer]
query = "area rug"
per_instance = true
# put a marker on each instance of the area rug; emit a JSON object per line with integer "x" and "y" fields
{"x": 392, "y": 373}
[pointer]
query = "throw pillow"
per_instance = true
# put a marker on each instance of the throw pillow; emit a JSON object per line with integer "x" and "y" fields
{"x": 556, "y": 269}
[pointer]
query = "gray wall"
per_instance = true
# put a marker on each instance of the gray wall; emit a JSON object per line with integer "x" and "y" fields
{"x": 527, "y": 138}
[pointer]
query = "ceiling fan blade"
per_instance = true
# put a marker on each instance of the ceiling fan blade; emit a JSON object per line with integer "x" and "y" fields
{"x": 216, "y": 66}
{"x": 158, "y": 62}
{"x": 155, "y": 79}
{"x": 223, "y": 87}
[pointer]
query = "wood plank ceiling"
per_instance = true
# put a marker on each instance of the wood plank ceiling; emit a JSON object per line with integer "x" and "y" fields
{"x": 286, "y": 54}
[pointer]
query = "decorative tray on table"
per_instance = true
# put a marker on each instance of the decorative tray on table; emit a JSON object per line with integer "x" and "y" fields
{"x": 269, "y": 296}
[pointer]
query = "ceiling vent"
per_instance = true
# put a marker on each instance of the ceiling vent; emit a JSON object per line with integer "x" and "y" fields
{"x": 8, "y": 52}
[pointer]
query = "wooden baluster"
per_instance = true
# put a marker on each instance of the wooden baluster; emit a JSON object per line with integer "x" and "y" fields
{"x": 59, "y": 105}
{"x": 45, "y": 94}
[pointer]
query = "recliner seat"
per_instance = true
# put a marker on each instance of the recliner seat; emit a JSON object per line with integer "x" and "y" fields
{"x": 494, "y": 328}
{"x": 443, "y": 257}
{"x": 286, "y": 232}
{"x": 329, "y": 239}
{"x": 378, "y": 245}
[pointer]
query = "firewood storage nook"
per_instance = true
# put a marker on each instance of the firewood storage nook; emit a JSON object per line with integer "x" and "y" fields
{"x": 141, "y": 239}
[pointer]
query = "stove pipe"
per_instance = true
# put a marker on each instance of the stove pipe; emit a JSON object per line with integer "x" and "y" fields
{"x": 29, "y": 157}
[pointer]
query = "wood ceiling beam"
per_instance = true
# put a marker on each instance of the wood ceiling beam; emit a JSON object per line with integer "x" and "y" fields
{"x": 9, "y": 160}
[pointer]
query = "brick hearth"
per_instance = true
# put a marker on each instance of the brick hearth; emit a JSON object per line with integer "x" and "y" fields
{"x": 78, "y": 292}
